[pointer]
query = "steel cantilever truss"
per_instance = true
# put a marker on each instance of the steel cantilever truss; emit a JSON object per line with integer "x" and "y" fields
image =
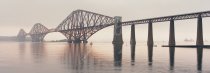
{"x": 21, "y": 35}
{"x": 81, "y": 25}
{"x": 38, "y": 32}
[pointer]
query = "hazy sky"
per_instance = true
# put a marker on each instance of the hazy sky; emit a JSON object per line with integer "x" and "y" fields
{"x": 16, "y": 14}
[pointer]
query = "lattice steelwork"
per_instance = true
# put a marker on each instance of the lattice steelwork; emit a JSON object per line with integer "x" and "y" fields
{"x": 21, "y": 35}
{"x": 38, "y": 32}
{"x": 81, "y": 25}
{"x": 168, "y": 18}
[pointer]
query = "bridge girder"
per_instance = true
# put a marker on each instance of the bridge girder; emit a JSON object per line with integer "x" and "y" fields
{"x": 80, "y": 25}
{"x": 168, "y": 18}
{"x": 38, "y": 32}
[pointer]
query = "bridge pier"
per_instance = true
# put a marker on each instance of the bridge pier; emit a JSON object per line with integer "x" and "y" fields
{"x": 70, "y": 41}
{"x": 117, "y": 40}
{"x": 37, "y": 40}
{"x": 172, "y": 42}
{"x": 77, "y": 40}
{"x": 132, "y": 43}
{"x": 37, "y": 37}
{"x": 199, "y": 42}
{"x": 85, "y": 41}
{"x": 117, "y": 30}
{"x": 133, "y": 38}
{"x": 150, "y": 42}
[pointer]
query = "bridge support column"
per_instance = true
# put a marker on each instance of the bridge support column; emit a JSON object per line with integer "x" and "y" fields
{"x": 69, "y": 41}
{"x": 199, "y": 42}
{"x": 172, "y": 42}
{"x": 133, "y": 42}
{"x": 38, "y": 37}
{"x": 117, "y": 31}
{"x": 77, "y": 40}
{"x": 150, "y": 42}
{"x": 85, "y": 41}
{"x": 133, "y": 38}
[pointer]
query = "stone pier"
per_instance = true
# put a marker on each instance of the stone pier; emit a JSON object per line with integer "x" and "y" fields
{"x": 150, "y": 42}
{"x": 117, "y": 31}
{"x": 199, "y": 42}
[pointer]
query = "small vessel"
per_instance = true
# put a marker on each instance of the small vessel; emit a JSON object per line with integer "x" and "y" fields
{"x": 189, "y": 40}
{"x": 91, "y": 43}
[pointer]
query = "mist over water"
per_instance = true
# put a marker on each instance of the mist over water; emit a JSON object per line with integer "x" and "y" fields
{"x": 61, "y": 57}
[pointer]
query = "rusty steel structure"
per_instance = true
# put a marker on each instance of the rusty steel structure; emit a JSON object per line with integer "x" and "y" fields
{"x": 81, "y": 25}
{"x": 38, "y": 32}
{"x": 21, "y": 35}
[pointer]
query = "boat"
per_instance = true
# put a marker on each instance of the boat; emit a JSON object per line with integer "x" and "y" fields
{"x": 189, "y": 40}
{"x": 91, "y": 43}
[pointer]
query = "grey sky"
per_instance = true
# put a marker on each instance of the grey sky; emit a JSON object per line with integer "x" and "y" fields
{"x": 16, "y": 14}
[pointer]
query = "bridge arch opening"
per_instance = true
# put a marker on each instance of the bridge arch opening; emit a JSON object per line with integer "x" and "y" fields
{"x": 54, "y": 36}
{"x": 103, "y": 35}
{"x": 185, "y": 31}
{"x": 206, "y": 34}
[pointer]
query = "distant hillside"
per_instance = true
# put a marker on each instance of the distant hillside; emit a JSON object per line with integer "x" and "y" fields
{"x": 7, "y": 38}
{"x": 11, "y": 38}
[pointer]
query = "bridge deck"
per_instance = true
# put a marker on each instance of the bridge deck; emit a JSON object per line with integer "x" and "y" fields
{"x": 168, "y": 18}
{"x": 187, "y": 46}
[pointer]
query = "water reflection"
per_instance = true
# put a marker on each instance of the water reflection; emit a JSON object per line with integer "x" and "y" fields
{"x": 81, "y": 57}
{"x": 22, "y": 47}
{"x": 38, "y": 52}
{"x": 199, "y": 57}
{"x": 133, "y": 54}
{"x": 171, "y": 52}
{"x": 100, "y": 58}
{"x": 150, "y": 54}
{"x": 76, "y": 56}
{"x": 117, "y": 55}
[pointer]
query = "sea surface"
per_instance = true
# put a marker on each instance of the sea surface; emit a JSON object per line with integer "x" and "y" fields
{"x": 61, "y": 57}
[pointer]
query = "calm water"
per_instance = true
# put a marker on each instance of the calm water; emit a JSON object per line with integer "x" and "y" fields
{"x": 61, "y": 57}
